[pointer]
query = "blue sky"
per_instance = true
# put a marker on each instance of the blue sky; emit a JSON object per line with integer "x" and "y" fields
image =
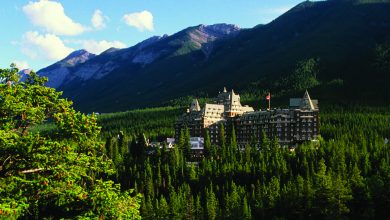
{"x": 38, "y": 33}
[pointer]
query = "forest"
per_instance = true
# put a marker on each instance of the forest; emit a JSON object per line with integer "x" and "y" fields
{"x": 56, "y": 162}
{"x": 345, "y": 175}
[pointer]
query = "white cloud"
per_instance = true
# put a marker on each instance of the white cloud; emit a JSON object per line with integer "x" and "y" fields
{"x": 44, "y": 47}
{"x": 51, "y": 16}
{"x": 97, "y": 47}
{"x": 21, "y": 64}
{"x": 141, "y": 20}
{"x": 98, "y": 19}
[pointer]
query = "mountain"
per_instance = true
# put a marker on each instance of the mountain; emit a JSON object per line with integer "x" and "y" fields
{"x": 24, "y": 74}
{"x": 81, "y": 66}
{"x": 341, "y": 34}
{"x": 60, "y": 71}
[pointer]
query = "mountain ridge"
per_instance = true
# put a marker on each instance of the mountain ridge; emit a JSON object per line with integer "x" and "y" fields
{"x": 81, "y": 65}
{"x": 342, "y": 34}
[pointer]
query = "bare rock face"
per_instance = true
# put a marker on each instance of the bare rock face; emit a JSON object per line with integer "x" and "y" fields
{"x": 59, "y": 72}
{"x": 77, "y": 57}
{"x": 81, "y": 66}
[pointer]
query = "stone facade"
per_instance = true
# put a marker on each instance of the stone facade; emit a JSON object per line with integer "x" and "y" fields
{"x": 297, "y": 124}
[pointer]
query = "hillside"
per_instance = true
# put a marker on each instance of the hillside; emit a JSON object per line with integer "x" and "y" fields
{"x": 342, "y": 35}
{"x": 345, "y": 175}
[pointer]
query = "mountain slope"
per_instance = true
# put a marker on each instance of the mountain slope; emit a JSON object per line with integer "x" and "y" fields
{"x": 342, "y": 34}
{"x": 81, "y": 66}
{"x": 58, "y": 72}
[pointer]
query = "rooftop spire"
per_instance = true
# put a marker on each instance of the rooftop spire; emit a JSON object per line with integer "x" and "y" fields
{"x": 224, "y": 89}
{"x": 195, "y": 105}
{"x": 306, "y": 101}
{"x": 306, "y": 95}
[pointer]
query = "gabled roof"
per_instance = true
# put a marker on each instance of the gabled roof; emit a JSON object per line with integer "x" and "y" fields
{"x": 304, "y": 103}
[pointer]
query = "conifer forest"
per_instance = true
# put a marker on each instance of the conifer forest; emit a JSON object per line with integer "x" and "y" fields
{"x": 161, "y": 110}
{"x": 345, "y": 175}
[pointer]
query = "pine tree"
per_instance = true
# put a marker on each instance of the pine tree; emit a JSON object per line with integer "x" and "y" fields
{"x": 211, "y": 204}
{"x": 264, "y": 141}
{"x": 246, "y": 210}
{"x": 323, "y": 191}
{"x": 190, "y": 209}
{"x": 207, "y": 144}
{"x": 233, "y": 203}
{"x": 163, "y": 211}
{"x": 198, "y": 208}
{"x": 342, "y": 195}
{"x": 222, "y": 136}
{"x": 187, "y": 144}
{"x": 233, "y": 139}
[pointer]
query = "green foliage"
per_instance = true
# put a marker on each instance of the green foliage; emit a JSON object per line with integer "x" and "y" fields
{"x": 57, "y": 174}
{"x": 382, "y": 57}
{"x": 305, "y": 75}
{"x": 153, "y": 122}
{"x": 345, "y": 175}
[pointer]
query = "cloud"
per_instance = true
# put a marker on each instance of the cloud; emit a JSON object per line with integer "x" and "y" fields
{"x": 98, "y": 19}
{"x": 21, "y": 65}
{"x": 51, "y": 16}
{"x": 44, "y": 47}
{"x": 97, "y": 47}
{"x": 141, "y": 20}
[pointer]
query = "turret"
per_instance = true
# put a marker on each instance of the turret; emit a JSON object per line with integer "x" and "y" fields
{"x": 195, "y": 105}
{"x": 306, "y": 102}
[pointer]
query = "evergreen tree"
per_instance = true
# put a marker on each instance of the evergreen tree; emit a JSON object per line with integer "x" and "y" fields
{"x": 198, "y": 208}
{"x": 211, "y": 204}
{"x": 246, "y": 210}
{"x": 187, "y": 144}
{"x": 221, "y": 136}
{"x": 323, "y": 191}
{"x": 233, "y": 139}
{"x": 233, "y": 203}
{"x": 163, "y": 211}
{"x": 207, "y": 144}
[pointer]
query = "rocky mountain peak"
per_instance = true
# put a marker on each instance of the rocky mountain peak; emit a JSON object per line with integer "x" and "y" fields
{"x": 110, "y": 50}
{"x": 150, "y": 41}
{"x": 77, "y": 57}
{"x": 222, "y": 28}
{"x": 208, "y": 33}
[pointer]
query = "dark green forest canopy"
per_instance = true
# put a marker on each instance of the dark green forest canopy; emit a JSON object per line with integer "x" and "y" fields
{"x": 344, "y": 175}
{"x": 52, "y": 154}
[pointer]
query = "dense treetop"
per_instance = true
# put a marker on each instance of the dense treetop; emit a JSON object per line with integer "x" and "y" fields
{"x": 345, "y": 175}
{"x": 61, "y": 173}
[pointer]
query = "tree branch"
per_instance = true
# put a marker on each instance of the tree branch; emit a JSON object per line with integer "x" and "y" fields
{"x": 32, "y": 170}
{"x": 9, "y": 157}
